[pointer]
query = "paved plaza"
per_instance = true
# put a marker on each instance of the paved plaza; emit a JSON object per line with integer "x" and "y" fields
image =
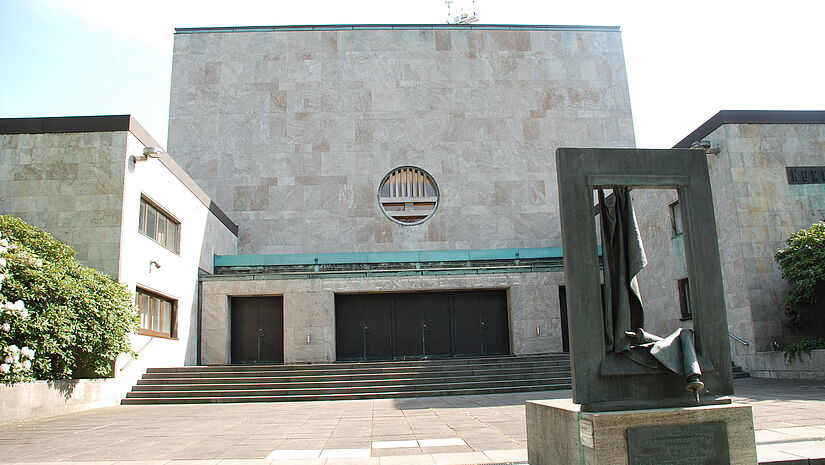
{"x": 789, "y": 418}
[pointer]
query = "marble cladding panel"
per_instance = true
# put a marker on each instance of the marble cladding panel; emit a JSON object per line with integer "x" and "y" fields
{"x": 303, "y": 125}
{"x": 215, "y": 327}
{"x": 309, "y": 309}
{"x": 70, "y": 185}
{"x": 309, "y": 326}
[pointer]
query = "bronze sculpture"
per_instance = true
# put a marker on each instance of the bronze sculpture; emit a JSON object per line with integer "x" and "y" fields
{"x": 624, "y": 257}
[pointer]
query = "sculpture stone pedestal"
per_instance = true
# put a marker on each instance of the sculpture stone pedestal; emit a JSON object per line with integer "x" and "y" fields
{"x": 559, "y": 433}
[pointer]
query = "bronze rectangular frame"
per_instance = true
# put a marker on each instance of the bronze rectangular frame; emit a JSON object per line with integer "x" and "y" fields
{"x": 580, "y": 171}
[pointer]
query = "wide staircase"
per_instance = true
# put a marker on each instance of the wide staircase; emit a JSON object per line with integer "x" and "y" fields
{"x": 357, "y": 380}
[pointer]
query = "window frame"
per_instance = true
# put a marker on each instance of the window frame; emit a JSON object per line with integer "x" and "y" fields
{"x": 677, "y": 225}
{"x": 171, "y": 241}
{"x": 173, "y": 314}
{"x": 409, "y": 188}
{"x": 685, "y": 310}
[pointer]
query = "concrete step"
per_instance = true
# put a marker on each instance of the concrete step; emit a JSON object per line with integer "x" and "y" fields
{"x": 738, "y": 372}
{"x": 384, "y": 395}
{"x": 406, "y": 364}
{"x": 245, "y": 383}
{"x": 401, "y": 387}
{"x": 362, "y": 380}
{"x": 284, "y": 370}
{"x": 250, "y": 377}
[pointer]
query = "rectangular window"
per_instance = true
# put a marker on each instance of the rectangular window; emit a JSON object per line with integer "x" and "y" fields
{"x": 676, "y": 218}
{"x": 159, "y": 226}
{"x": 684, "y": 299}
{"x": 158, "y": 314}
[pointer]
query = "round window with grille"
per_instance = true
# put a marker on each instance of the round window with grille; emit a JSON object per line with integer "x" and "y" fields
{"x": 408, "y": 195}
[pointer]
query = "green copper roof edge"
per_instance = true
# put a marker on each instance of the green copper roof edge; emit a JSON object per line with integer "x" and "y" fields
{"x": 255, "y": 276}
{"x": 388, "y": 257}
{"x": 351, "y": 27}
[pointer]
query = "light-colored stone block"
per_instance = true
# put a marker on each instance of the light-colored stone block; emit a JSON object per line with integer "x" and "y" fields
{"x": 559, "y": 433}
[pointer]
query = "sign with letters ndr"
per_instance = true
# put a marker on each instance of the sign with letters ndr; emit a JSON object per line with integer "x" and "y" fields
{"x": 806, "y": 174}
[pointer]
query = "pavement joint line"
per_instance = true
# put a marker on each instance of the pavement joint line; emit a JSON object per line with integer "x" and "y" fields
{"x": 419, "y": 443}
{"x": 344, "y": 453}
{"x": 294, "y": 454}
{"x": 441, "y": 442}
{"x": 394, "y": 444}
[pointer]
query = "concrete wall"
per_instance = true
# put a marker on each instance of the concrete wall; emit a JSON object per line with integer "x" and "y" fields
{"x": 292, "y": 131}
{"x": 69, "y": 184}
{"x": 309, "y": 308}
{"x": 756, "y": 210}
{"x": 773, "y": 365}
{"x": 40, "y": 399}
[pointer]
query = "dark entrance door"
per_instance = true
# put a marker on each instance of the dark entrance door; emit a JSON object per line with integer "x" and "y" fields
{"x": 481, "y": 327}
{"x": 435, "y": 324}
{"x": 409, "y": 324}
{"x": 377, "y": 327}
{"x": 421, "y": 325}
{"x": 467, "y": 324}
{"x": 495, "y": 330}
{"x": 349, "y": 327}
{"x": 257, "y": 330}
{"x": 363, "y": 327}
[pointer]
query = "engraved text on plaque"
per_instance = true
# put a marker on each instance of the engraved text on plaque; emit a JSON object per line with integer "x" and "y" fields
{"x": 696, "y": 444}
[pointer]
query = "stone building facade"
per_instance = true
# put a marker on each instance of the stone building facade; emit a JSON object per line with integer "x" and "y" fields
{"x": 757, "y": 207}
{"x": 296, "y": 131}
{"x": 293, "y": 129}
{"x": 86, "y": 181}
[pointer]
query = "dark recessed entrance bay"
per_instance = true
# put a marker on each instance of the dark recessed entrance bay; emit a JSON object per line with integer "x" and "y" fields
{"x": 421, "y": 325}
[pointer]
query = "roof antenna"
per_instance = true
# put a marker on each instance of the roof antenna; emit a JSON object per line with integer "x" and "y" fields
{"x": 463, "y": 18}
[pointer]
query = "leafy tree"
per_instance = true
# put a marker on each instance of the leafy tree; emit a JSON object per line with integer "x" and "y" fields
{"x": 75, "y": 319}
{"x": 803, "y": 265}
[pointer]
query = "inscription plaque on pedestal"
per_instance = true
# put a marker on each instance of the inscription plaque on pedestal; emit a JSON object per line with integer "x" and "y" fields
{"x": 696, "y": 444}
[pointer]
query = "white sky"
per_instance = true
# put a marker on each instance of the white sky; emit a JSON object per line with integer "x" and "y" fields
{"x": 686, "y": 60}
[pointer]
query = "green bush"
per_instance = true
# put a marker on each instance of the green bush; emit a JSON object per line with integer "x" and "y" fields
{"x": 74, "y": 318}
{"x": 803, "y": 265}
{"x": 802, "y": 347}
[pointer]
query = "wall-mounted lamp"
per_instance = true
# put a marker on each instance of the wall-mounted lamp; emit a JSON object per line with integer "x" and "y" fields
{"x": 706, "y": 146}
{"x": 153, "y": 265}
{"x": 149, "y": 152}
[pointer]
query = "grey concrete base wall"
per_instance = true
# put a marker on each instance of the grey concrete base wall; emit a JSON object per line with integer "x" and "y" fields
{"x": 309, "y": 309}
{"x": 556, "y": 428}
{"x": 773, "y": 365}
{"x": 39, "y": 399}
{"x": 71, "y": 185}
